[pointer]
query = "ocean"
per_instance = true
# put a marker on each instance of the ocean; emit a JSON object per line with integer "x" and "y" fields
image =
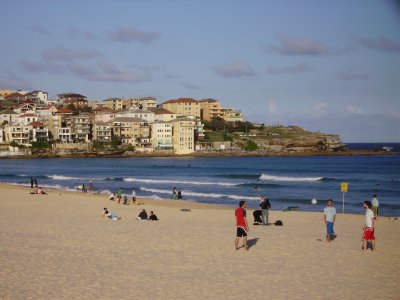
{"x": 286, "y": 181}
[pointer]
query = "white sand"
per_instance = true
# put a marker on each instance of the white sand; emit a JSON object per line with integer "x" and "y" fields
{"x": 59, "y": 247}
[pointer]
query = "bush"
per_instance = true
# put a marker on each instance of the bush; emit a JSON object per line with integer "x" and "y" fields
{"x": 250, "y": 146}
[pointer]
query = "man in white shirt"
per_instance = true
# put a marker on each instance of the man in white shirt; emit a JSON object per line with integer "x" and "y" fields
{"x": 329, "y": 218}
{"x": 368, "y": 235}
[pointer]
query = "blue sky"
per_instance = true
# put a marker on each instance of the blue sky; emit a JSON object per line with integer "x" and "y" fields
{"x": 332, "y": 66}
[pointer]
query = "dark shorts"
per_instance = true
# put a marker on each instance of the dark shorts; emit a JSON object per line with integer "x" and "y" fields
{"x": 240, "y": 232}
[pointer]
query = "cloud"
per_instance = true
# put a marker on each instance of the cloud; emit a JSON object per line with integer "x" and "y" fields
{"x": 60, "y": 53}
{"x": 14, "y": 82}
{"x": 75, "y": 33}
{"x": 382, "y": 43}
{"x": 319, "y": 109}
{"x": 299, "y": 68}
{"x": 191, "y": 86}
{"x": 132, "y": 34}
{"x": 102, "y": 71}
{"x": 109, "y": 72}
{"x": 300, "y": 46}
{"x": 354, "y": 110}
{"x": 352, "y": 74}
{"x": 40, "y": 30}
{"x": 234, "y": 69}
{"x": 272, "y": 107}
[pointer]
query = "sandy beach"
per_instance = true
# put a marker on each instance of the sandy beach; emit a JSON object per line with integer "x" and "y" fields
{"x": 57, "y": 246}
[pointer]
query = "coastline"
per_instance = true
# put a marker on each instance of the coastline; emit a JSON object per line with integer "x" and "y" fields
{"x": 57, "y": 246}
{"x": 207, "y": 154}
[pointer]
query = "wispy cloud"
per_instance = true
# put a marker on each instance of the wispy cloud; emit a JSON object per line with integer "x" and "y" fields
{"x": 272, "y": 107}
{"x": 300, "y": 46}
{"x": 234, "y": 69}
{"x": 382, "y": 44}
{"x": 102, "y": 71}
{"x": 39, "y": 29}
{"x": 60, "y": 53}
{"x": 132, "y": 34}
{"x": 352, "y": 109}
{"x": 190, "y": 85}
{"x": 74, "y": 33}
{"x": 319, "y": 109}
{"x": 12, "y": 81}
{"x": 352, "y": 74}
{"x": 299, "y": 68}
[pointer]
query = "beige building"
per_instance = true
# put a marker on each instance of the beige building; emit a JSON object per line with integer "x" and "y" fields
{"x": 183, "y": 107}
{"x": 161, "y": 135}
{"x": 136, "y": 113}
{"x": 162, "y": 114}
{"x": 102, "y": 131}
{"x": 80, "y": 126}
{"x": 145, "y": 103}
{"x": 232, "y": 115}
{"x": 132, "y": 131}
{"x": 183, "y": 135}
{"x": 8, "y": 116}
{"x": 19, "y": 133}
{"x": 210, "y": 108}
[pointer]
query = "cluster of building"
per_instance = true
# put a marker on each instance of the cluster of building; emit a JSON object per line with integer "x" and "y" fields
{"x": 175, "y": 125}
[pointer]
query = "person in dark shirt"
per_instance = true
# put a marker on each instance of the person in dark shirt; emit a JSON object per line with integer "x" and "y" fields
{"x": 153, "y": 217}
{"x": 142, "y": 215}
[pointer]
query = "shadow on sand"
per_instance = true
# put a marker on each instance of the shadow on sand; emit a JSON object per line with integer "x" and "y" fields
{"x": 252, "y": 242}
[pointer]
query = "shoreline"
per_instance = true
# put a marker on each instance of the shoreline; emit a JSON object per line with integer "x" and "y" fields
{"x": 208, "y": 154}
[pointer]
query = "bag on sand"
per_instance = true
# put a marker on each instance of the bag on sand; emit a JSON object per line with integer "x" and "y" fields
{"x": 278, "y": 223}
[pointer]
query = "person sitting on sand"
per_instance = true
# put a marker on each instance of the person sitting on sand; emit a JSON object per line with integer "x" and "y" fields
{"x": 153, "y": 217}
{"x": 142, "y": 215}
{"x": 111, "y": 215}
{"x": 111, "y": 197}
{"x": 126, "y": 201}
{"x": 40, "y": 191}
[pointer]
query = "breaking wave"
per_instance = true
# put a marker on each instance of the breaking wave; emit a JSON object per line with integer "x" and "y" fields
{"x": 177, "y": 182}
{"x": 266, "y": 177}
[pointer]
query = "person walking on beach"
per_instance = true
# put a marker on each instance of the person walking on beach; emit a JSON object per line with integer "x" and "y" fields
{"x": 265, "y": 205}
{"x": 375, "y": 206}
{"x": 174, "y": 193}
{"x": 329, "y": 218}
{"x": 90, "y": 187}
{"x": 369, "y": 228}
{"x": 119, "y": 195}
{"x": 242, "y": 227}
{"x": 179, "y": 194}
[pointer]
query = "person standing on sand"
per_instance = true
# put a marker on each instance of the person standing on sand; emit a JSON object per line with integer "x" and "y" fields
{"x": 329, "y": 218}
{"x": 369, "y": 228}
{"x": 375, "y": 206}
{"x": 241, "y": 225}
{"x": 174, "y": 193}
{"x": 265, "y": 205}
{"x": 90, "y": 187}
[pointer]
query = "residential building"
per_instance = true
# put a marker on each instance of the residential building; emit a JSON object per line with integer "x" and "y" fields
{"x": 183, "y": 107}
{"x": 18, "y": 97}
{"x": 136, "y": 113}
{"x": 1, "y": 134}
{"x": 134, "y": 131}
{"x": 4, "y": 93}
{"x": 77, "y": 100}
{"x": 115, "y": 103}
{"x": 131, "y": 103}
{"x": 27, "y": 118}
{"x": 103, "y": 114}
{"x": 210, "y": 108}
{"x": 162, "y": 114}
{"x": 81, "y": 126}
{"x": 102, "y": 131}
{"x": 40, "y": 133}
{"x": 25, "y": 107}
{"x": 38, "y": 97}
{"x": 232, "y": 115}
{"x": 161, "y": 135}
{"x": 8, "y": 116}
{"x": 65, "y": 135}
{"x": 19, "y": 133}
{"x": 183, "y": 135}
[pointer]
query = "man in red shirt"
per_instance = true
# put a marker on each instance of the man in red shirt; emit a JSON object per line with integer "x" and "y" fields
{"x": 241, "y": 225}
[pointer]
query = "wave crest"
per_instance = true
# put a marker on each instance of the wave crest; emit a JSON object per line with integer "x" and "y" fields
{"x": 267, "y": 177}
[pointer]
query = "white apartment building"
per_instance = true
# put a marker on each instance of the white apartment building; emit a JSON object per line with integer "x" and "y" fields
{"x": 137, "y": 113}
{"x": 161, "y": 135}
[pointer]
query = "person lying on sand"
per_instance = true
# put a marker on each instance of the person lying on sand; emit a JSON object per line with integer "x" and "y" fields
{"x": 39, "y": 191}
{"x": 111, "y": 215}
